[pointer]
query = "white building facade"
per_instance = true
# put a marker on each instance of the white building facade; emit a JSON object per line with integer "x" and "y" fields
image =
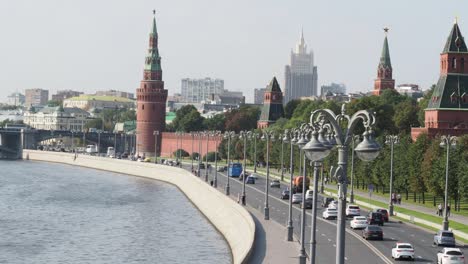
{"x": 57, "y": 118}
{"x": 198, "y": 90}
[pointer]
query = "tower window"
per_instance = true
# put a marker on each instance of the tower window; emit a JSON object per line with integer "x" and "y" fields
{"x": 142, "y": 107}
{"x": 462, "y": 64}
{"x": 454, "y": 63}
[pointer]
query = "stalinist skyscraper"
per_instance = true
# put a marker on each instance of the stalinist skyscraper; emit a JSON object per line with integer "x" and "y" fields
{"x": 301, "y": 75}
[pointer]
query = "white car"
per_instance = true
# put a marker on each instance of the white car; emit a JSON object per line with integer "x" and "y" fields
{"x": 333, "y": 205}
{"x": 450, "y": 256}
{"x": 359, "y": 222}
{"x": 254, "y": 175}
{"x": 403, "y": 250}
{"x": 330, "y": 213}
{"x": 297, "y": 198}
{"x": 353, "y": 210}
{"x": 309, "y": 195}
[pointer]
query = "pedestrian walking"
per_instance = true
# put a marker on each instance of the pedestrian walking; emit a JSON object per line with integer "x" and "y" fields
{"x": 448, "y": 209}
{"x": 439, "y": 209}
{"x": 399, "y": 198}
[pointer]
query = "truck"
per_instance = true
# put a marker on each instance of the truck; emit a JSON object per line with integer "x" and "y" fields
{"x": 297, "y": 184}
{"x": 91, "y": 149}
{"x": 110, "y": 152}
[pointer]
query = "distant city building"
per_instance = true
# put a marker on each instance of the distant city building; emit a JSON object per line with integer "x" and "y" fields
{"x": 90, "y": 102}
{"x": 447, "y": 110}
{"x": 333, "y": 88}
{"x": 16, "y": 99}
{"x": 198, "y": 90}
{"x": 56, "y": 118}
{"x": 116, "y": 94}
{"x": 272, "y": 109}
{"x": 301, "y": 75}
{"x": 258, "y": 95}
{"x": 35, "y": 97}
{"x": 177, "y": 97}
{"x": 384, "y": 79}
{"x": 65, "y": 94}
{"x": 410, "y": 90}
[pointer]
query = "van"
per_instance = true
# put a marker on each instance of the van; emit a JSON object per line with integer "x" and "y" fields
{"x": 309, "y": 195}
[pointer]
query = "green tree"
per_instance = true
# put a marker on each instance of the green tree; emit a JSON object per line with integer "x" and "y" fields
{"x": 188, "y": 119}
{"x": 215, "y": 123}
{"x": 423, "y": 103}
{"x": 244, "y": 118}
{"x": 406, "y": 116}
{"x": 54, "y": 103}
{"x": 94, "y": 123}
{"x": 290, "y": 108}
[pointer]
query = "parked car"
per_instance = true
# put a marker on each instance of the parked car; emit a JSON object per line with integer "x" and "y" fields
{"x": 297, "y": 198}
{"x": 353, "y": 210}
{"x": 326, "y": 201}
{"x": 250, "y": 180}
{"x": 221, "y": 168}
{"x": 254, "y": 175}
{"x": 333, "y": 204}
{"x": 330, "y": 213}
{"x": 275, "y": 184}
{"x": 358, "y": 222}
{"x": 309, "y": 195}
{"x": 284, "y": 194}
{"x": 444, "y": 237}
{"x": 384, "y": 213}
{"x": 403, "y": 250}
{"x": 372, "y": 231}
{"x": 374, "y": 218}
{"x": 450, "y": 256}
{"x": 307, "y": 203}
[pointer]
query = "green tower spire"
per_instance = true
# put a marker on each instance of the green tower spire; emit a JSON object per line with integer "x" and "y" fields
{"x": 385, "y": 56}
{"x": 455, "y": 41}
{"x": 153, "y": 60}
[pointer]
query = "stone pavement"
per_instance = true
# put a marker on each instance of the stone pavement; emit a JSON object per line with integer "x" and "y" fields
{"x": 413, "y": 207}
{"x": 271, "y": 246}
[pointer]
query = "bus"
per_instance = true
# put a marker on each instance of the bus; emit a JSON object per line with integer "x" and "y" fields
{"x": 235, "y": 169}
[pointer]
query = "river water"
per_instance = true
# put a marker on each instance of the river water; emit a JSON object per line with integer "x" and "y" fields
{"x": 54, "y": 213}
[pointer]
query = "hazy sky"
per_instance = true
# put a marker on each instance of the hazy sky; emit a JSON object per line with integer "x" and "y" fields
{"x": 90, "y": 45}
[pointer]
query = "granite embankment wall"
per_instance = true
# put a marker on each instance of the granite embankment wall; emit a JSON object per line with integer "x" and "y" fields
{"x": 232, "y": 220}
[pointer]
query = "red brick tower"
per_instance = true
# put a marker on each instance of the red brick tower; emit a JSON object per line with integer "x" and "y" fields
{"x": 151, "y": 100}
{"x": 447, "y": 110}
{"x": 272, "y": 108}
{"x": 384, "y": 70}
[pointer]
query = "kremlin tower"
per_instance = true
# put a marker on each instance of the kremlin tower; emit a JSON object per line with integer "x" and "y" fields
{"x": 384, "y": 70}
{"x": 151, "y": 100}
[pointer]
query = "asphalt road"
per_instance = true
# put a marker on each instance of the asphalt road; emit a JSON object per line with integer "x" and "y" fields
{"x": 358, "y": 250}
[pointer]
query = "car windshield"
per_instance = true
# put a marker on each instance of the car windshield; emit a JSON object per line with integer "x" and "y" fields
{"x": 376, "y": 215}
{"x": 354, "y": 207}
{"x": 359, "y": 218}
{"x": 331, "y": 210}
{"x": 454, "y": 253}
{"x": 447, "y": 234}
{"x": 374, "y": 228}
{"x": 405, "y": 246}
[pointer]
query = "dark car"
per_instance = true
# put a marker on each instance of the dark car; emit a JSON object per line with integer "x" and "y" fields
{"x": 250, "y": 180}
{"x": 326, "y": 201}
{"x": 372, "y": 232}
{"x": 308, "y": 204}
{"x": 374, "y": 218}
{"x": 384, "y": 213}
{"x": 202, "y": 166}
{"x": 284, "y": 194}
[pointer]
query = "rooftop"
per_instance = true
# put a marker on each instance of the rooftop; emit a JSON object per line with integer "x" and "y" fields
{"x": 87, "y": 97}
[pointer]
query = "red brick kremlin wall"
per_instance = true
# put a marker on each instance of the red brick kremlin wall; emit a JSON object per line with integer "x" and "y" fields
{"x": 169, "y": 143}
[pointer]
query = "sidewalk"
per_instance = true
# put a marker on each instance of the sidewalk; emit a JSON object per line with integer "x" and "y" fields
{"x": 271, "y": 246}
{"x": 422, "y": 209}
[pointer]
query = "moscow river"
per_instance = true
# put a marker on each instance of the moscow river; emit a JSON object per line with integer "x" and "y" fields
{"x": 54, "y": 213}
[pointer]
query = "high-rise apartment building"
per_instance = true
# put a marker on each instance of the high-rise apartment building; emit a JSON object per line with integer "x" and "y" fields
{"x": 15, "y": 99}
{"x": 301, "y": 75}
{"x": 34, "y": 97}
{"x": 198, "y": 90}
{"x": 258, "y": 95}
{"x": 65, "y": 94}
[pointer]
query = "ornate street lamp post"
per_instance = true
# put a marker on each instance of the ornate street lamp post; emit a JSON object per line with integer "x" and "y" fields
{"x": 351, "y": 196}
{"x": 267, "y": 136}
{"x": 447, "y": 142}
{"x": 193, "y": 134}
{"x": 216, "y": 135}
{"x": 391, "y": 140}
{"x": 228, "y": 135}
{"x": 200, "y": 138}
{"x": 367, "y": 150}
{"x": 255, "y": 137}
{"x": 115, "y": 144}
{"x": 207, "y": 134}
{"x": 282, "y": 156}
{"x": 290, "y": 137}
{"x": 243, "y": 135}
{"x": 304, "y": 130}
{"x": 156, "y": 134}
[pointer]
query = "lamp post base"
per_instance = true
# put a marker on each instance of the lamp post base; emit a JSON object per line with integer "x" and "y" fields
{"x": 206, "y": 177}
{"x": 351, "y": 198}
{"x": 243, "y": 198}
{"x": 267, "y": 213}
{"x": 390, "y": 210}
{"x": 445, "y": 224}
{"x": 290, "y": 232}
{"x": 302, "y": 257}
{"x": 322, "y": 189}
{"x": 227, "y": 190}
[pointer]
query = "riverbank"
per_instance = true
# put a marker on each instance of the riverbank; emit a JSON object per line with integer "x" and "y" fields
{"x": 229, "y": 218}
